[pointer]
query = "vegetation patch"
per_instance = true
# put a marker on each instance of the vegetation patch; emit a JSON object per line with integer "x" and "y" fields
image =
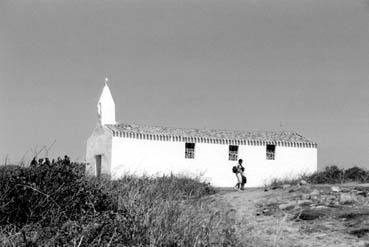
{"x": 56, "y": 205}
{"x": 330, "y": 175}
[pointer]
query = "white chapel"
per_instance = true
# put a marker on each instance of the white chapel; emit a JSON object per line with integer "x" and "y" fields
{"x": 115, "y": 149}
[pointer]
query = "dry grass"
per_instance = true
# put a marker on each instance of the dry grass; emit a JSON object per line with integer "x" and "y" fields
{"x": 57, "y": 206}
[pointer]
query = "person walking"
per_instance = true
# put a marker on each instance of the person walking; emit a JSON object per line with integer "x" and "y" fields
{"x": 241, "y": 178}
{"x": 241, "y": 172}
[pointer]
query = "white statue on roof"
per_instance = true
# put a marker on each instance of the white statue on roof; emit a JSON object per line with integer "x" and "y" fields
{"x": 106, "y": 106}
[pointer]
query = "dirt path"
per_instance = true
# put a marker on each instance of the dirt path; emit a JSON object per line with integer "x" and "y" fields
{"x": 279, "y": 229}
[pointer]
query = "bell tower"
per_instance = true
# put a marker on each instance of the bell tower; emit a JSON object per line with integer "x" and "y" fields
{"x": 106, "y": 106}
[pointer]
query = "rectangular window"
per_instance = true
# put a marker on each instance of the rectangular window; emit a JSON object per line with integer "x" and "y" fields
{"x": 233, "y": 152}
{"x": 190, "y": 150}
{"x": 270, "y": 152}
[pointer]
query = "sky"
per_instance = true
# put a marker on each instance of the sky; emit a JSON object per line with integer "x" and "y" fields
{"x": 229, "y": 64}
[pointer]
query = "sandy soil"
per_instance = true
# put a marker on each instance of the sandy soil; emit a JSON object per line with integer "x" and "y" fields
{"x": 261, "y": 222}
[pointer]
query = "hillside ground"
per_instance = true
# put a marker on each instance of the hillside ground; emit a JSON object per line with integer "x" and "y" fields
{"x": 307, "y": 215}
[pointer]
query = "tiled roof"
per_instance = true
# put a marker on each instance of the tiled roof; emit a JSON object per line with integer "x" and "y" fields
{"x": 267, "y": 136}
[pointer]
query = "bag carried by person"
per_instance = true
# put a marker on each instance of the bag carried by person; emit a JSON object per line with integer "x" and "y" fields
{"x": 234, "y": 169}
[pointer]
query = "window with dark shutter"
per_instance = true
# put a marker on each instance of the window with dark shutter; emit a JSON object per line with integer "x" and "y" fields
{"x": 233, "y": 152}
{"x": 190, "y": 150}
{"x": 270, "y": 152}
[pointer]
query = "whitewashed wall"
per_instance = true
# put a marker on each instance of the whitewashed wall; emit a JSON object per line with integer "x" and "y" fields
{"x": 151, "y": 157}
{"x": 289, "y": 162}
{"x": 100, "y": 142}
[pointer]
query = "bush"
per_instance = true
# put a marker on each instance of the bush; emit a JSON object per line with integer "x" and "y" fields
{"x": 44, "y": 194}
{"x": 357, "y": 174}
{"x": 330, "y": 175}
{"x": 55, "y": 205}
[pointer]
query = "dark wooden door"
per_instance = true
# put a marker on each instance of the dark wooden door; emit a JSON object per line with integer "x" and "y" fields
{"x": 98, "y": 165}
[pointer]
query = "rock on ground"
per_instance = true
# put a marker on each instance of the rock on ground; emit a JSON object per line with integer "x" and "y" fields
{"x": 315, "y": 192}
{"x": 347, "y": 198}
{"x": 335, "y": 189}
{"x": 310, "y": 214}
{"x": 304, "y": 202}
{"x": 287, "y": 206}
